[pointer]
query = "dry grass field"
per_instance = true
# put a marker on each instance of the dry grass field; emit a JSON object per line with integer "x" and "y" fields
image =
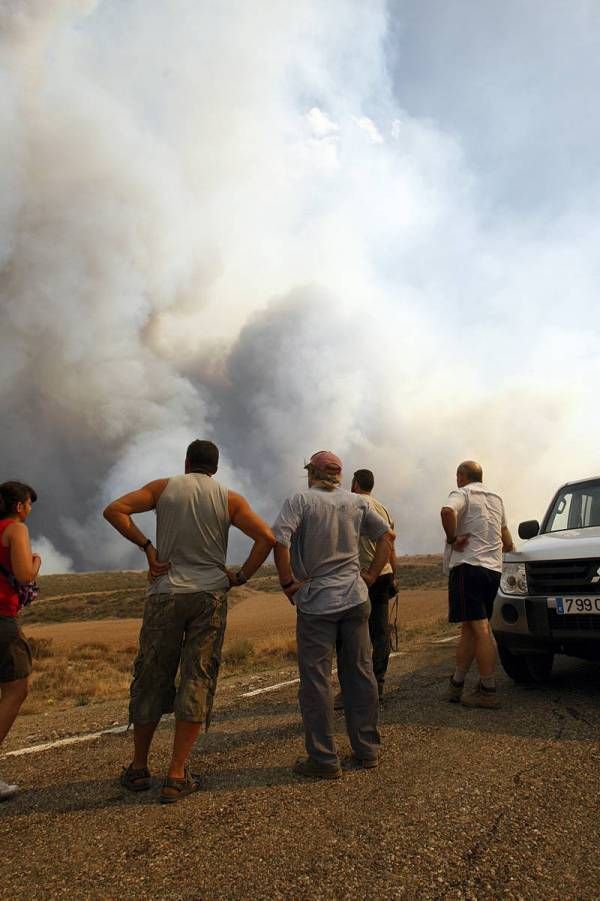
{"x": 84, "y": 628}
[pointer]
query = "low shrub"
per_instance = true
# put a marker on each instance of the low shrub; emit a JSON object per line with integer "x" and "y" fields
{"x": 237, "y": 652}
{"x": 41, "y": 648}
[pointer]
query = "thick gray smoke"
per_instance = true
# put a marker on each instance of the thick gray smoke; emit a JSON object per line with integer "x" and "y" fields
{"x": 218, "y": 221}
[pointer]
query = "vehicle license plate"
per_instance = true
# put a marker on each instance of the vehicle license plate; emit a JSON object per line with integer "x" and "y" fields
{"x": 565, "y": 606}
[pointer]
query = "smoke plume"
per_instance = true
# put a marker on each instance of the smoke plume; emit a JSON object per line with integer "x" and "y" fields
{"x": 219, "y": 221}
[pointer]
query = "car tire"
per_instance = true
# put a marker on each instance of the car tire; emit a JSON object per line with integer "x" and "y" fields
{"x": 526, "y": 669}
{"x": 515, "y": 666}
{"x": 540, "y": 666}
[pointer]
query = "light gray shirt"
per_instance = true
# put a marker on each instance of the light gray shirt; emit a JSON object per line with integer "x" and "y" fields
{"x": 322, "y": 529}
{"x": 192, "y": 528}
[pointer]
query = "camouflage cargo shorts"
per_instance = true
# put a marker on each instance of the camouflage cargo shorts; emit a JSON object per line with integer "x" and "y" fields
{"x": 181, "y": 633}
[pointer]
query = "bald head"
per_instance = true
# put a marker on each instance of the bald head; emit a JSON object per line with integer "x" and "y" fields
{"x": 469, "y": 471}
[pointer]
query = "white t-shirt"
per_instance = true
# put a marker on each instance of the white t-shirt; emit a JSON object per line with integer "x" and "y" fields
{"x": 480, "y": 514}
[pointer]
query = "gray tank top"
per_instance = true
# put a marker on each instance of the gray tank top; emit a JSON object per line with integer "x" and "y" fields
{"x": 192, "y": 527}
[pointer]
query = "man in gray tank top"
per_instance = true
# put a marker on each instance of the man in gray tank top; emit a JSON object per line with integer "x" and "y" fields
{"x": 186, "y": 607}
{"x": 317, "y": 558}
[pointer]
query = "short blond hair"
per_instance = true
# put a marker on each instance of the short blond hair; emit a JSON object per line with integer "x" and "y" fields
{"x": 327, "y": 478}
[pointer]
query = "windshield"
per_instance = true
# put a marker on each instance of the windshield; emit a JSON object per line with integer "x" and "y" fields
{"x": 575, "y": 507}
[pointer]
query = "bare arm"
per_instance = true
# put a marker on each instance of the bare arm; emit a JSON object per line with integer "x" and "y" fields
{"x": 119, "y": 513}
{"x": 383, "y": 550}
{"x": 507, "y": 541}
{"x": 25, "y": 565}
{"x": 449, "y": 524}
{"x": 284, "y": 571}
{"x": 244, "y": 518}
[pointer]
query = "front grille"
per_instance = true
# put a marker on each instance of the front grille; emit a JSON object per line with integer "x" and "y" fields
{"x": 584, "y": 622}
{"x": 557, "y": 577}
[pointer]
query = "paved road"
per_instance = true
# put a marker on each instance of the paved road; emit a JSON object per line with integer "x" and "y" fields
{"x": 466, "y": 804}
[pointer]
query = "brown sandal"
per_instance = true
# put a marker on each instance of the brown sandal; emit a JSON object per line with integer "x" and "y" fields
{"x": 190, "y": 783}
{"x": 135, "y": 780}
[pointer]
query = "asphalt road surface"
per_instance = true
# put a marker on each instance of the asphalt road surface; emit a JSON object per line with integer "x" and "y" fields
{"x": 466, "y": 803}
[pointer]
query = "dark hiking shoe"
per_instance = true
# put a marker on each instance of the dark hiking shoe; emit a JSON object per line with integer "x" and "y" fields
{"x": 482, "y": 697}
{"x": 454, "y": 691}
{"x": 306, "y": 766}
{"x": 359, "y": 763}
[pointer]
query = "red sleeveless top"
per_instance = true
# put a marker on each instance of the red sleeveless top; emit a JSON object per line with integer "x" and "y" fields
{"x": 9, "y": 599}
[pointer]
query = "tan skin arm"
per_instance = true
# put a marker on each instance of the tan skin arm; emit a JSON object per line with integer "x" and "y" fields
{"x": 284, "y": 570}
{"x": 119, "y": 513}
{"x": 244, "y": 518}
{"x": 508, "y": 544}
{"x": 449, "y": 523}
{"x": 384, "y": 551}
{"x": 25, "y": 565}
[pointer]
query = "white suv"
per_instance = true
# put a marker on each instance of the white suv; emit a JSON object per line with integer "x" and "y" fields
{"x": 549, "y": 596}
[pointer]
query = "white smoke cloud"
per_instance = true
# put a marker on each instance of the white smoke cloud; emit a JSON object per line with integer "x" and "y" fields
{"x": 52, "y": 560}
{"x": 218, "y": 222}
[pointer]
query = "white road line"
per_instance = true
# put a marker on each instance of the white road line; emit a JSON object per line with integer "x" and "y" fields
{"x": 61, "y": 742}
{"x": 278, "y": 685}
{"x": 444, "y": 640}
{"x": 117, "y": 730}
{"x": 259, "y": 691}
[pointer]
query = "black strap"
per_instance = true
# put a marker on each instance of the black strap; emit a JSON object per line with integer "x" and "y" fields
{"x": 10, "y": 578}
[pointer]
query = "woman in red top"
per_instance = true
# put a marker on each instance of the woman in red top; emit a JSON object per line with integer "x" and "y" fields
{"x": 16, "y": 557}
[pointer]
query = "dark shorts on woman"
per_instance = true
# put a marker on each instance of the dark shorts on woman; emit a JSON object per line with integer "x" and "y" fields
{"x": 15, "y": 653}
{"x": 471, "y": 592}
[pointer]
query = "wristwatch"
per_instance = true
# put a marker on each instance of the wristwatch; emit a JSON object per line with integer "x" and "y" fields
{"x": 144, "y": 547}
{"x": 240, "y": 578}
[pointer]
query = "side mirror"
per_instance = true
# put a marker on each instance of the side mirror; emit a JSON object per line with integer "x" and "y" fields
{"x": 529, "y": 529}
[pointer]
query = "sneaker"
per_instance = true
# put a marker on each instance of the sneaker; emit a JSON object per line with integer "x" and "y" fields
{"x": 306, "y": 766}
{"x": 7, "y": 791}
{"x": 482, "y": 697}
{"x": 454, "y": 691}
{"x": 338, "y": 701}
{"x": 359, "y": 763}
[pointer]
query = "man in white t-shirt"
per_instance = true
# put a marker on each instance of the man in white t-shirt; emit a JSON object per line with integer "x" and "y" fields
{"x": 474, "y": 521}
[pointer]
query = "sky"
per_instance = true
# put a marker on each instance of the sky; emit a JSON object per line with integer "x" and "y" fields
{"x": 370, "y": 228}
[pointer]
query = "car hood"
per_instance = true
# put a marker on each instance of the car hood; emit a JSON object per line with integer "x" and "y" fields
{"x": 570, "y": 544}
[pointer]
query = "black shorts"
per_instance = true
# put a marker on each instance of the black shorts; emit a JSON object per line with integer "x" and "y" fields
{"x": 471, "y": 592}
{"x": 15, "y": 653}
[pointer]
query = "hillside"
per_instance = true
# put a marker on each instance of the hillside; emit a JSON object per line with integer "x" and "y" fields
{"x": 77, "y": 597}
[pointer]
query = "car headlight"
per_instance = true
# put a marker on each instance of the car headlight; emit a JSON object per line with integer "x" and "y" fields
{"x": 514, "y": 579}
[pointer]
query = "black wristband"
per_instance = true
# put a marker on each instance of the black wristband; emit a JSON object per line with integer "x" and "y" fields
{"x": 286, "y": 584}
{"x": 144, "y": 547}
{"x": 240, "y": 578}
{"x": 451, "y": 540}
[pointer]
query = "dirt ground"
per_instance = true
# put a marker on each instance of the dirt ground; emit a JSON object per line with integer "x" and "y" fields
{"x": 255, "y": 616}
{"x": 466, "y": 804}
